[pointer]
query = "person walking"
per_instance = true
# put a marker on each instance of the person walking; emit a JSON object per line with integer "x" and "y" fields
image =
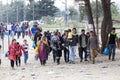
{"x": 12, "y": 53}
{"x": 111, "y": 43}
{"x": 18, "y": 30}
{"x": 37, "y": 37}
{"x": 54, "y": 40}
{"x": 66, "y": 46}
{"x": 13, "y": 29}
{"x": 83, "y": 39}
{"x": 93, "y": 46}
{"x": 25, "y": 47}
{"x": 23, "y": 29}
{"x": 59, "y": 48}
{"x": 42, "y": 51}
{"x": 73, "y": 45}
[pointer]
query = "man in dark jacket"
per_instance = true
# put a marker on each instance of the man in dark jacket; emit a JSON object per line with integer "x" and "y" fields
{"x": 111, "y": 43}
{"x": 83, "y": 39}
{"x": 37, "y": 37}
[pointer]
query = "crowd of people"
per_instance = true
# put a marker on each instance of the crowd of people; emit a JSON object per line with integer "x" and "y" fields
{"x": 14, "y": 29}
{"x": 59, "y": 45}
{"x": 69, "y": 42}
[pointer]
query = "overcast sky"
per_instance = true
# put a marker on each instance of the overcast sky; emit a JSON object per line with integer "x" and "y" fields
{"x": 60, "y": 3}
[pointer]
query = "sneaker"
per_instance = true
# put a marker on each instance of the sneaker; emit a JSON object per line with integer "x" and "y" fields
{"x": 86, "y": 60}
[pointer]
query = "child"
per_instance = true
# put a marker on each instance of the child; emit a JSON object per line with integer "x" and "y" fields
{"x": 69, "y": 34}
{"x": 19, "y": 54}
{"x": 25, "y": 47}
{"x": 0, "y": 54}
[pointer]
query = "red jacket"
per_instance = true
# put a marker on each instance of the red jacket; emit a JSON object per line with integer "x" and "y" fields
{"x": 12, "y": 52}
{"x": 19, "y": 50}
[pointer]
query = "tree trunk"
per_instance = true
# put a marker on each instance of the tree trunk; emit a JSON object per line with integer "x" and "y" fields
{"x": 89, "y": 13}
{"x": 106, "y": 23}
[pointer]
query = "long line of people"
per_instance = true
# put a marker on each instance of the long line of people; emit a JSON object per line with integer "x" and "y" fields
{"x": 69, "y": 42}
{"x": 57, "y": 43}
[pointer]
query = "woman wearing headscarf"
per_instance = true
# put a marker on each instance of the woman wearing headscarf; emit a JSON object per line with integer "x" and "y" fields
{"x": 42, "y": 51}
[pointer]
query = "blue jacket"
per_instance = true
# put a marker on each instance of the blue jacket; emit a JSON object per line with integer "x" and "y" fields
{"x": 13, "y": 28}
{"x": 23, "y": 28}
{"x": 33, "y": 29}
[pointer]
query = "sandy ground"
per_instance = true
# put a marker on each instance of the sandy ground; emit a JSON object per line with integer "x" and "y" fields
{"x": 102, "y": 70}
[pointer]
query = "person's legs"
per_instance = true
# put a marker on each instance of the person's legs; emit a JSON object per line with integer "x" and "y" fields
{"x": 81, "y": 54}
{"x": 0, "y": 61}
{"x": 19, "y": 61}
{"x": 16, "y": 60}
{"x": 54, "y": 55}
{"x": 70, "y": 55}
{"x": 44, "y": 62}
{"x": 12, "y": 63}
{"x": 67, "y": 54}
{"x": 85, "y": 51}
{"x": 18, "y": 35}
{"x": 73, "y": 54}
{"x": 113, "y": 52}
{"x": 41, "y": 62}
{"x": 88, "y": 53}
{"x": 92, "y": 55}
{"x": 23, "y": 34}
{"x": 25, "y": 58}
{"x": 58, "y": 60}
{"x": 110, "y": 51}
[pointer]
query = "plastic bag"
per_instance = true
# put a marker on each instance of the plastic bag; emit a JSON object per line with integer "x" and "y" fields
{"x": 7, "y": 54}
{"x": 106, "y": 51}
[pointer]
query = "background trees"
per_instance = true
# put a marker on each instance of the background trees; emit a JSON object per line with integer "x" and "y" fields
{"x": 106, "y": 10}
{"x": 72, "y": 11}
{"x": 107, "y": 21}
{"x": 33, "y": 10}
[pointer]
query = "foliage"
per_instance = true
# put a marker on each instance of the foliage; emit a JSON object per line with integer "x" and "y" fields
{"x": 115, "y": 10}
{"x": 72, "y": 11}
{"x": 93, "y": 6}
{"x": 40, "y": 8}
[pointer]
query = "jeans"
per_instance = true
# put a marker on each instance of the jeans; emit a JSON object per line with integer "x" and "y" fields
{"x": 66, "y": 54}
{"x": 112, "y": 48}
{"x": 18, "y": 60}
{"x": 72, "y": 50}
{"x": 18, "y": 34}
{"x": 23, "y": 34}
{"x": 25, "y": 58}
{"x": 54, "y": 55}
{"x": 81, "y": 49}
